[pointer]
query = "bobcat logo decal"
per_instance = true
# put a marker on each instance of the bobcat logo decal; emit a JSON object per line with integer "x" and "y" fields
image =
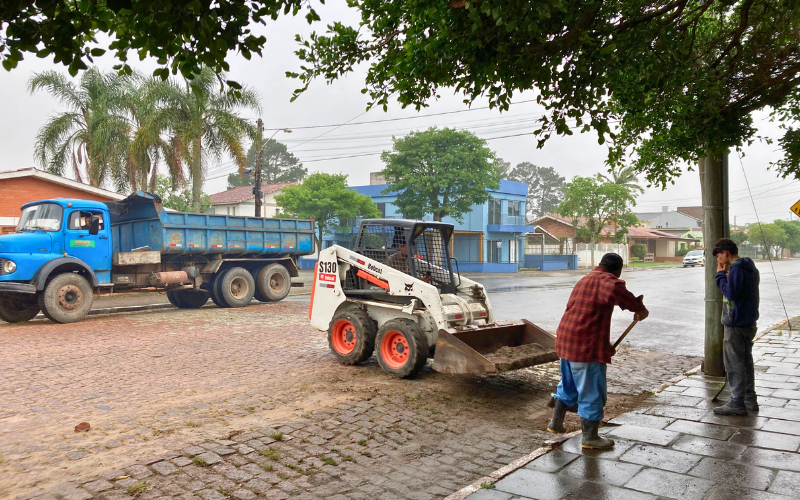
{"x": 409, "y": 287}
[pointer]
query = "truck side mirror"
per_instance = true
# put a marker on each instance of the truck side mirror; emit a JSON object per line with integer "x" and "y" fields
{"x": 94, "y": 225}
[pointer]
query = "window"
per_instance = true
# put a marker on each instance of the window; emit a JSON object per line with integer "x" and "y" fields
{"x": 493, "y": 248}
{"x": 231, "y": 210}
{"x": 494, "y": 211}
{"x": 382, "y": 208}
{"x": 210, "y": 211}
{"x": 513, "y": 208}
{"x": 44, "y": 216}
{"x": 79, "y": 219}
{"x": 465, "y": 247}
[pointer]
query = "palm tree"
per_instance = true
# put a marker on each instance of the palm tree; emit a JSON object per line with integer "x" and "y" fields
{"x": 624, "y": 176}
{"x": 92, "y": 135}
{"x": 205, "y": 124}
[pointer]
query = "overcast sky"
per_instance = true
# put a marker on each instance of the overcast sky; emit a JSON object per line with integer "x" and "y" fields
{"x": 354, "y": 149}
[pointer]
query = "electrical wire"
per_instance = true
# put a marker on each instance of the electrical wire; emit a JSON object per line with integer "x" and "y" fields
{"x": 769, "y": 257}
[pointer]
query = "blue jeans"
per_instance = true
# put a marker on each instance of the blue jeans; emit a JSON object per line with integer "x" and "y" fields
{"x": 585, "y": 384}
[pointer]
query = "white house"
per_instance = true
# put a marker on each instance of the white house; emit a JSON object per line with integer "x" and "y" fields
{"x": 242, "y": 201}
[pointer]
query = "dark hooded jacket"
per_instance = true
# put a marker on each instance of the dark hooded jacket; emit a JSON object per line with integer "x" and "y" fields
{"x": 739, "y": 287}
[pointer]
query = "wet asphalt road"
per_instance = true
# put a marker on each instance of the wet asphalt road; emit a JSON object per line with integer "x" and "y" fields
{"x": 674, "y": 297}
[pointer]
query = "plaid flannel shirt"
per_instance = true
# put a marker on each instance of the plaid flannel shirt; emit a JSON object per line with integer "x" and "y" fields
{"x": 584, "y": 334}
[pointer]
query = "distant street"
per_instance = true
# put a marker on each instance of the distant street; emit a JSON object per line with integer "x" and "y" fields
{"x": 674, "y": 297}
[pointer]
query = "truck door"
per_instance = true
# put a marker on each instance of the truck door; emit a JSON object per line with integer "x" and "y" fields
{"x": 94, "y": 250}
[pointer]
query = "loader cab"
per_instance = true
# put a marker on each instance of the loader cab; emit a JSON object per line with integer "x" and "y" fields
{"x": 418, "y": 248}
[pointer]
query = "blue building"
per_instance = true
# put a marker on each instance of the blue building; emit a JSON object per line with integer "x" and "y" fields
{"x": 491, "y": 238}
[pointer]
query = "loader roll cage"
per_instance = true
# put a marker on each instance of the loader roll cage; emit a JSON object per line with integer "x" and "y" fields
{"x": 418, "y": 248}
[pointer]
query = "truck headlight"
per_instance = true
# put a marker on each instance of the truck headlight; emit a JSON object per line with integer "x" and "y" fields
{"x": 9, "y": 267}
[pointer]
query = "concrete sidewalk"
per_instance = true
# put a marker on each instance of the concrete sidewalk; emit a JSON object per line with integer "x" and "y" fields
{"x": 674, "y": 446}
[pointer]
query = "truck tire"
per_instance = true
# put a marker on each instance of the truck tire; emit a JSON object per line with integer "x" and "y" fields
{"x": 213, "y": 289}
{"x": 187, "y": 299}
{"x": 236, "y": 287}
{"x": 351, "y": 336}
{"x": 18, "y": 309}
{"x": 67, "y": 298}
{"x": 402, "y": 348}
{"x": 273, "y": 283}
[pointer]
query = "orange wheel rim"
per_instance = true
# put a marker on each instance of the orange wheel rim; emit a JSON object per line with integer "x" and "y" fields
{"x": 343, "y": 337}
{"x": 394, "y": 349}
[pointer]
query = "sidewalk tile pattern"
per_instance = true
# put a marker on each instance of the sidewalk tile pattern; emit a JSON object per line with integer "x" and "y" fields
{"x": 676, "y": 447}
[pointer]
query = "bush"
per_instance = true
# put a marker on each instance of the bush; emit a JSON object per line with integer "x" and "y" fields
{"x": 633, "y": 259}
{"x": 639, "y": 250}
{"x": 681, "y": 252}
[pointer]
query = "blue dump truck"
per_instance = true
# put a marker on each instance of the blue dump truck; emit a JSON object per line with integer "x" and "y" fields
{"x": 66, "y": 250}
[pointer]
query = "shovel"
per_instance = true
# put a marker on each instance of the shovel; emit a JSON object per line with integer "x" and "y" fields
{"x": 552, "y": 402}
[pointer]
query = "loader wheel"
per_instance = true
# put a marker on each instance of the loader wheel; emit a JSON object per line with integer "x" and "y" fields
{"x": 402, "y": 348}
{"x": 187, "y": 299}
{"x": 351, "y": 336}
{"x": 18, "y": 308}
{"x": 236, "y": 287}
{"x": 67, "y": 298}
{"x": 273, "y": 283}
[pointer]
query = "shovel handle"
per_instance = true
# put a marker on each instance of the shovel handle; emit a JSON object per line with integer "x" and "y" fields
{"x": 630, "y": 327}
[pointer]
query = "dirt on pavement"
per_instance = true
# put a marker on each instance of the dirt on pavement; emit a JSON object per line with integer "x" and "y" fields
{"x": 154, "y": 382}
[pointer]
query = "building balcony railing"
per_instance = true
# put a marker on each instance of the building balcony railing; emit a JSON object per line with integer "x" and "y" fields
{"x": 507, "y": 220}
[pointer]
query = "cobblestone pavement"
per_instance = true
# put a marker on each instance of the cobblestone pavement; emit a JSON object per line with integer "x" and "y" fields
{"x": 216, "y": 403}
{"x": 674, "y": 446}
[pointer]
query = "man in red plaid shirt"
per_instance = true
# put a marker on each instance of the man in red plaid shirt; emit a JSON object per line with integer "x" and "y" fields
{"x": 583, "y": 343}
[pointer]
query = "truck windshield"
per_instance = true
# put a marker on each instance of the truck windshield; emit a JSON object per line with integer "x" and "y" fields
{"x": 44, "y": 216}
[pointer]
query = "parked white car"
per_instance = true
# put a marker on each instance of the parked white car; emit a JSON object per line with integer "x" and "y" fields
{"x": 695, "y": 258}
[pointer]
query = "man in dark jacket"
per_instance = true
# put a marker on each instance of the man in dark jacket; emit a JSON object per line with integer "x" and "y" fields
{"x": 738, "y": 280}
{"x": 583, "y": 342}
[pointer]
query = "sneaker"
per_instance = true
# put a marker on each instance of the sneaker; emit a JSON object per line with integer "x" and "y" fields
{"x": 751, "y": 406}
{"x": 739, "y": 410}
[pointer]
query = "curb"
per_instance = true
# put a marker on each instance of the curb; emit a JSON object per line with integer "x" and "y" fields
{"x": 144, "y": 307}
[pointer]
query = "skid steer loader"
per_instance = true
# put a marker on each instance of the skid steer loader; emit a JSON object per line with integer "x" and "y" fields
{"x": 397, "y": 294}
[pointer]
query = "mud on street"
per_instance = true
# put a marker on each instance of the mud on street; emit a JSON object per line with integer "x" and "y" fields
{"x": 238, "y": 403}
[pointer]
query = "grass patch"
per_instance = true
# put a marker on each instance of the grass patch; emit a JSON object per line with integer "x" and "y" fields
{"x": 137, "y": 489}
{"x": 651, "y": 264}
{"x": 487, "y": 485}
{"x": 271, "y": 453}
{"x": 198, "y": 461}
{"x": 412, "y": 397}
{"x": 277, "y": 436}
{"x": 223, "y": 491}
{"x": 445, "y": 397}
{"x": 268, "y": 467}
{"x": 689, "y": 374}
{"x": 347, "y": 458}
{"x": 283, "y": 475}
{"x": 291, "y": 465}
{"x": 329, "y": 461}
{"x": 362, "y": 442}
{"x": 190, "y": 423}
{"x": 336, "y": 450}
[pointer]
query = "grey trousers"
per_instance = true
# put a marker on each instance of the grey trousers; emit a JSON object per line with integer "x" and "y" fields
{"x": 737, "y": 354}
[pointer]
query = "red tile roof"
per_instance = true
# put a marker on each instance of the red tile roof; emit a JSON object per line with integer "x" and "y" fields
{"x": 242, "y": 193}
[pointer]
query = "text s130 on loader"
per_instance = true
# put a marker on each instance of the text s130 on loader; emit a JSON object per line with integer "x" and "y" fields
{"x": 397, "y": 294}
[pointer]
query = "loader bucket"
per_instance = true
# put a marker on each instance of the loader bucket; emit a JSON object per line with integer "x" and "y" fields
{"x": 494, "y": 348}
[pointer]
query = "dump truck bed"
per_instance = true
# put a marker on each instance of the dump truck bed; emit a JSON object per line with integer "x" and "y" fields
{"x": 140, "y": 221}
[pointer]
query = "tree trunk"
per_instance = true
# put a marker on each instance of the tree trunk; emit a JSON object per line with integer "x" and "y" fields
{"x": 592, "y": 243}
{"x": 318, "y": 237}
{"x": 197, "y": 176}
{"x": 712, "y": 186}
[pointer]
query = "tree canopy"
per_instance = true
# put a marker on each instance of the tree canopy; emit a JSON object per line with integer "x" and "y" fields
{"x": 442, "y": 172}
{"x": 182, "y": 35}
{"x": 545, "y": 188}
{"x": 327, "y": 199}
{"x": 678, "y": 78}
{"x": 179, "y": 198}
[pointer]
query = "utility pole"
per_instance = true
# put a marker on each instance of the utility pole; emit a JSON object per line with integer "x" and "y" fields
{"x": 714, "y": 184}
{"x": 257, "y": 188}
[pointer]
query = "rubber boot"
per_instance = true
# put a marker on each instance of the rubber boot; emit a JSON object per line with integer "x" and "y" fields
{"x": 556, "y": 426}
{"x": 591, "y": 439}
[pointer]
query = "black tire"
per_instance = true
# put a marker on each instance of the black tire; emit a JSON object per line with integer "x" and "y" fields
{"x": 273, "y": 283}
{"x": 402, "y": 348}
{"x": 351, "y": 336}
{"x": 236, "y": 287}
{"x": 187, "y": 299}
{"x": 67, "y": 298}
{"x": 213, "y": 290}
{"x": 19, "y": 308}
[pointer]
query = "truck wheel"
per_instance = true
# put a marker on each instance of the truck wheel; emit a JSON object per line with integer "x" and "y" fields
{"x": 236, "y": 287}
{"x": 402, "y": 348}
{"x": 67, "y": 298}
{"x": 213, "y": 290}
{"x": 19, "y": 309}
{"x": 273, "y": 283}
{"x": 351, "y": 336}
{"x": 187, "y": 299}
